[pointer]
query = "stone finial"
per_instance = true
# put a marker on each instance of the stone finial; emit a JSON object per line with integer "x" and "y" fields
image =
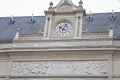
{"x": 51, "y": 4}
{"x": 80, "y": 3}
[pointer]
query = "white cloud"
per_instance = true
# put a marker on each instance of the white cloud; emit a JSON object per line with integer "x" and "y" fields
{"x": 27, "y": 7}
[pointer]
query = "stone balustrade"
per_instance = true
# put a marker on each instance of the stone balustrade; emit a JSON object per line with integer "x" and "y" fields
{"x": 87, "y": 35}
{"x": 84, "y": 36}
{"x": 5, "y": 46}
{"x": 30, "y": 37}
{"x": 116, "y": 43}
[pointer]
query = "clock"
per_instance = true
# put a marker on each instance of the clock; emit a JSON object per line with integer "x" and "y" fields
{"x": 63, "y": 29}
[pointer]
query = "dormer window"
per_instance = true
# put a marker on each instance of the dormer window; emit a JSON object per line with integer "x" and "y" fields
{"x": 90, "y": 17}
{"x": 11, "y": 21}
{"x": 32, "y": 19}
{"x": 113, "y": 16}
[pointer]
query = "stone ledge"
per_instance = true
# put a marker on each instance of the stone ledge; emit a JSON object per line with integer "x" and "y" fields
{"x": 79, "y": 76}
{"x": 58, "y": 49}
{"x": 62, "y": 44}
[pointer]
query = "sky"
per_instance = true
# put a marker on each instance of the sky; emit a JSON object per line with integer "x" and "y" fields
{"x": 37, "y": 7}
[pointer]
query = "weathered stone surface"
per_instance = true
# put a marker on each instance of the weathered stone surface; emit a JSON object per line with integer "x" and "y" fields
{"x": 59, "y": 68}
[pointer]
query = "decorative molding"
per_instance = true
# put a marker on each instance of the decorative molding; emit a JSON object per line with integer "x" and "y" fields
{"x": 59, "y": 68}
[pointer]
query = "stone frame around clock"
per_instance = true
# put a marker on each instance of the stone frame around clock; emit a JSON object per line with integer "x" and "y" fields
{"x": 56, "y": 21}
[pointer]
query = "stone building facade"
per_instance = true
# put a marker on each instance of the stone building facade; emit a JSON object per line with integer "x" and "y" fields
{"x": 65, "y": 44}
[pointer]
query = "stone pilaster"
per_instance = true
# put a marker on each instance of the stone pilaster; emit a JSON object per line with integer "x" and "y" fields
{"x": 80, "y": 26}
{"x": 111, "y": 32}
{"x": 76, "y": 29}
{"x": 49, "y": 28}
{"x": 110, "y": 67}
{"x": 45, "y": 28}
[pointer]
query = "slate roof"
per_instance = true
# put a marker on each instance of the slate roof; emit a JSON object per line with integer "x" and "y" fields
{"x": 101, "y": 22}
{"x": 8, "y": 30}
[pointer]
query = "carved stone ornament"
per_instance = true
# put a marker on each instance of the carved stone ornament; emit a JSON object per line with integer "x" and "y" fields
{"x": 59, "y": 68}
{"x": 51, "y": 4}
{"x": 80, "y": 3}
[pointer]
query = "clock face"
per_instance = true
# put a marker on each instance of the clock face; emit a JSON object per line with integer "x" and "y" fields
{"x": 63, "y": 29}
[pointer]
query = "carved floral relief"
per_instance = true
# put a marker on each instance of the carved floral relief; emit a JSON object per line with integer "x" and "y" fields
{"x": 59, "y": 68}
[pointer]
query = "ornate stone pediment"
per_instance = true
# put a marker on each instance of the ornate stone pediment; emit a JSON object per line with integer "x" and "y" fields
{"x": 66, "y": 7}
{"x": 64, "y": 11}
{"x": 63, "y": 6}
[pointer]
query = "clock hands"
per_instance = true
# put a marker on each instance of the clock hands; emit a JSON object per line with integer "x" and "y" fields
{"x": 63, "y": 28}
